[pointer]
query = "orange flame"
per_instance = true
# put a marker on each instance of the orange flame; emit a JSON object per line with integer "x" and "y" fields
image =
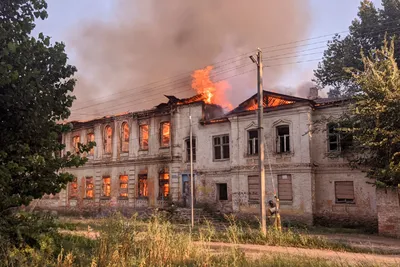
{"x": 212, "y": 92}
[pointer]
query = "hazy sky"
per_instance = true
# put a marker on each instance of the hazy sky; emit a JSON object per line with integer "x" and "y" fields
{"x": 67, "y": 19}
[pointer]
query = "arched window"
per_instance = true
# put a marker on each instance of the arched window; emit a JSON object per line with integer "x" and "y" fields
{"x": 108, "y": 140}
{"x": 125, "y": 137}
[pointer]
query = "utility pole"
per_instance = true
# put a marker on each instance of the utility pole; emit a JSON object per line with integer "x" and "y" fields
{"x": 191, "y": 171}
{"x": 261, "y": 166}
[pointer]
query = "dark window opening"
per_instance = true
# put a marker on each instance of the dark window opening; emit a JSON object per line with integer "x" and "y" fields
{"x": 252, "y": 142}
{"x": 221, "y": 147}
{"x": 222, "y": 190}
{"x": 283, "y": 139}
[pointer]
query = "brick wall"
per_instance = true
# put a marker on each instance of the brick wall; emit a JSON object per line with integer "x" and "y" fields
{"x": 389, "y": 212}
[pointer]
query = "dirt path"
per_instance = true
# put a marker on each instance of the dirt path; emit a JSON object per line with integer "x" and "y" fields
{"x": 346, "y": 257}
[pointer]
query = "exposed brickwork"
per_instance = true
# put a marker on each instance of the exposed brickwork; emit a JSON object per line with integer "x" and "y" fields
{"x": 389, "y": 212}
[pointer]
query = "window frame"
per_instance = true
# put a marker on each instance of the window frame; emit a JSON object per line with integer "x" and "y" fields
{"x": 254, "y": 144}
{"x": 333, "y": 134}
{"x": 89, "y": 181}
{"x": 141, "y": 146}
{"x": 146, "y": 188}
{"x": 125, "y": 142}
{"x": 162, "y": 145}
{"x": 219, "y": 187}
{"x": 105, "y": 192}
{"x": 252, "y": 200}
{"x": 75, "y": 145}
{"x": 162, "y": 182}
{"x": 187, "y": 148}
{"x": 106, "y": 143}
{"x": 91, "y": 151}
{"x": 121, "y": 189}
{"x": 286, "y": 143}
{"x": 346, "y": 201}
{"x": 73, "y": 190}
{"x": 221, "y": 146}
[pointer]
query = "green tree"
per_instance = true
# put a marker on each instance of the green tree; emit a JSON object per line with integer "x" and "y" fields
{"x": 366, "y": 33}
{"x": 35, "y": 93}
{"x": 375, "y": 117}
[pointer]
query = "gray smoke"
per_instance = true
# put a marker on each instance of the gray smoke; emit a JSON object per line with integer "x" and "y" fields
{"x": 148, "y": 41}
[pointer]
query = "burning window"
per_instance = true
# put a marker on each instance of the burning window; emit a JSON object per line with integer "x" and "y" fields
{"x": 108, "y": 140}
{"x": 252, "y": 145}
{"x": 344, "y": 192}
{"x": 125, "y": 137}
{"x": 221, "y": 147}
{"x": 142, "y": 185}
{"x": 89, "y": 187}
{"x": 222, "y": 191}
{"x": 90, "y": 138}
{"x": 165, "y": 134}
{"x": 75, "y": 143}
{"x": 144, "y": 137}
{"x": 285, "y": 187}
{"x": 283, "y": 140}
{"x": 73, "y": 188}
{"x": 106, "y": 190}
{"x": 164, "y": 183}
{"x": 187, "y": 141}
{"x": 123, "y": 186}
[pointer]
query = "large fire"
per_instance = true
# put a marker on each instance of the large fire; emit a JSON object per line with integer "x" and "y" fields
{"x": 211, "y": 92}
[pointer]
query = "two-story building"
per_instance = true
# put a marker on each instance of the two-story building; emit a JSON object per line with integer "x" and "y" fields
{"x": 142, "y": 160}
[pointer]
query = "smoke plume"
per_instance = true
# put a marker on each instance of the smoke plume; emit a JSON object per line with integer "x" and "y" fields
{"x": 149, "y": 41}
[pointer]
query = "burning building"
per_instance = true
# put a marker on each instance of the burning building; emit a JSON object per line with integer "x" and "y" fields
{"x": 142, "y": 160}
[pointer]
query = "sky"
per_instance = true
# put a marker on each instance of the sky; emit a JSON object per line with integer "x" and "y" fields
{"x": 68, "y": 19}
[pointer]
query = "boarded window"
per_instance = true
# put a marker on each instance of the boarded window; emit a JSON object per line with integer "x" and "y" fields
{"x": 142, "y": 185}
{"x": 254, "y": 189}
{"x": 123, "y": 186}
{"x": 165, "y": 134}
{"x": 164, "y": 183}
{"x": 252, "y": 144}
{"x": 221, "y": 147}
{"x": 89, "y": 187}
{"x": 106, "y": 187}
{"x": 73, "y": 188}
{"x": 90, "y": 138}
{"x": 285, "y": 187}
{"x": 222, "y": 191}
{"x": 188, "y": 149}
{"x": 344, "y": 192}
{"x": 144, "y": 137}
{"x": 108, "y": 140}
{"x": 283, "y": 139}
{"x": 75, "y": 143}
{"x": 125, "y": 137}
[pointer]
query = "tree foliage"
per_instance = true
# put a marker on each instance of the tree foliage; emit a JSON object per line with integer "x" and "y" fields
{"x": 366, "y": 33}
{"x": 375, "y": 116}
{"x": 35, "y": 93}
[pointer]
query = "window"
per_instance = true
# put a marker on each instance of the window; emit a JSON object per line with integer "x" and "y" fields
{"x": 123, "y": 186}
{"x": 164, "y": 183}
{"x": 106, "y": 188}
{"x": 221, "y": 147}
{"x": 125, "y": 137}
{"x": 75, "y": 143}
{"x": 222, "y": 192}
{"x": 252, "y": 142}
{"x": 285, "y": 187}
{"x": 73, "y": 188}
{"x": 165, "y": 134}
{"x": 90, "y": 138}
{"x": 333, "y": 137}
{"x": 108, "y": 140}
{"x": 142, "y": 185}
{"x": 89, "y": 187}
{"x": 283, "y": 140}
{"x": 344, "y": 192}
{"x": 144, "y": 137}
{"x": 188, "y": 149}
{"x": 254, "y": 189}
